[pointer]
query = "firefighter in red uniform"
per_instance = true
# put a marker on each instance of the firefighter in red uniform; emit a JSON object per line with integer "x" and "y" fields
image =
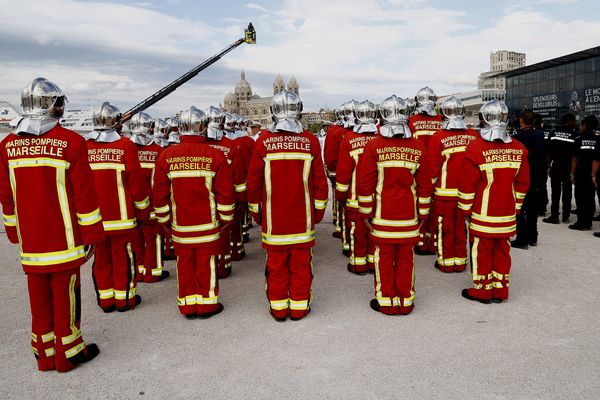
{"x": 388, "y": 171}
{"x": 351, "y": 150}
{"x": 287, "y": 194}
{"x": 193, "y": 197}
{"x": 331, "y": 152}
{"x": 245, "y": 147}
{"x": 423, "y": 125}
{"x": 164, "y": 137}
{"x": 495, "y": 179}
{"x": 142, "y": 129}
{"x": 218, "y": 122}
{"x": 446, "y": 152}
{"x": 123, "y": 199}
{"x": 50, "y": 209}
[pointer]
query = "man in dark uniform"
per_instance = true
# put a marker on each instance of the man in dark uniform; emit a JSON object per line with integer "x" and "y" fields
{"x": 560, "y": 151}
{"x": 533, "y": 140}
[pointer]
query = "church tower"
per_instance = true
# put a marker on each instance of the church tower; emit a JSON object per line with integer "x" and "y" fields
{"x": 293, "y": 86}
{"x": 278, "y": 85}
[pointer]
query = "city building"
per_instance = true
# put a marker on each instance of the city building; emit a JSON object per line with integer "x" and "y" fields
{"x": 242, "y": 101}
{"x": 570, "y": 83}
{"x": 500, "y": 61}
{"x": 315, "y": 119}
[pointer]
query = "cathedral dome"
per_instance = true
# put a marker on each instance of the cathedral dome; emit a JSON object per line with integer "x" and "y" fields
{"x": 243, "y": 90}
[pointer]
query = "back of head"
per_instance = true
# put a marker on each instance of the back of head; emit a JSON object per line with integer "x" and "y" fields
{"x": 568, "y": 119}
{"x": 589, "y": 125}
{"x": 527, "y": 118}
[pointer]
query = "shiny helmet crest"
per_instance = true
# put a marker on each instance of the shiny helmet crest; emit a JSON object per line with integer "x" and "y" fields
{"x": 193, "y": 122}
{"x": 394, "y": 113}
{"x": 454, "y": 111}
{"x": 495, "y": 116}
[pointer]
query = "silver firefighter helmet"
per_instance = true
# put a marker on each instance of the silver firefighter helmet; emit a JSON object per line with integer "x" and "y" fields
{"x": 365, "y": 114}
{"x": 216, "y": 118}
{"x": 161, "y": 132}
{"x": 394, "y": 113}
{"x": 42, "y": 103}
{"x": 193, "y": 122}
{"x": 105, "y": 120}
{"x": 411, "y": 105}
{"x": 426, "y": 99}
{"x": 230, "y": 122}
{"x": 141, "y": 126}
{"x": 454, "y": 111}
{"x": 174, "y": 130}
{"x": 286, "y": 107}
{"x": 495, "y": 116}
{"x": 348, "y": 111}
{"x": 339, "y": 115}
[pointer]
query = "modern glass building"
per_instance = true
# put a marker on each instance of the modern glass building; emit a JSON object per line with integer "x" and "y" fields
{"x": 552, "y": 88}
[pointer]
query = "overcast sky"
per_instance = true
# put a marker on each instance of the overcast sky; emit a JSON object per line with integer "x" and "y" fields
{"x": 122, "y": 51}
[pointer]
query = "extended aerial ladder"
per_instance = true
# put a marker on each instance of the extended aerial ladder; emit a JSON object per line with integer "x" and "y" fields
{"x": 249, "y": 38}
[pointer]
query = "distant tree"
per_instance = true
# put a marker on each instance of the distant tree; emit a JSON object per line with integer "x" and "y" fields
{"x": 314, "y": 128}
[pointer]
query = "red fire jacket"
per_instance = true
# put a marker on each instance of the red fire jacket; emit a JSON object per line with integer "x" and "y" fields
{"x": 287, "y": 188}
{"x": 147, "y": 156}
{"x": 123, "y": 192}
{"x": 351, "y": 149}
{"x": 193, "y": 192}
{"x": 48, "y": 198}
{"x": 423, "y": 126}
{"x": 446, "y": 153}
{"x": 495, "y": 179}
{"x": 391, "y": 174}
{"x": 331, "y": 151}
{"x": 230, "y": 150}
{"x": 245, "y": 146}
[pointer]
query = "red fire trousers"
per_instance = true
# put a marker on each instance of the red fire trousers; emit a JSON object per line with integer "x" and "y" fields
{"x": 289, "y": 277}
{"x": 491, "y": 263}
{"x": 152, "y": 268}
{"x": 428, "y": 230}
{"x": 359, "y": 243}
{"x": 394, "y": 277}
{"x": 197, "y": 283}
{"x": 55, "y": 318}
{"x": 236, "y": 240}
{"x": 451, "y": 237}
{"x": 114, "y": 272}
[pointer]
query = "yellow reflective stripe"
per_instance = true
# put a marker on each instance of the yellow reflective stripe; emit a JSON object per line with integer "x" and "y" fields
{"x": 359, "y": 260}
{"x": 54, "y": 257}
{"x": 100, "y": 166}
{"x": 365, "y": 210}
{"x": 396, "y": 223}
{"x": 253, "y": 207}
{"x": 487, "y": 229}
{"x": 226, "y": 217}
{"x": 162, "y": 209}
{"x": 464, "y": 207}
{"x": 50, "y": 352}
{"x": 119, "y": 224}
{"x": 225, "y": 207}
{"x": 520, "y": 195}
{"x": 499, "y": 276}
{"x": 288, "y": 239}
{"x": 487, "y": 218}
{"x": 195, "y": 239}
{"x": 298, "y": 305}
{"x": 451, "y": 150}
{"x": 190, "y": 174}
{"x": 38, "y": 162}
{"x": 164, "y": 219}
{"x": 33, "y": 337}
{"x": 365, "y": 199}
{"x": 143, "y": 204}
{"x": 288, "y": 156}
{"x": 48, "y": 337}
{"x": 423, "y": 211}
{"x": 446, "y": 192}
{"x": 341, "y": 188}
{"x": 384, "y": 301}
{"x": 395, "y": 235}
{"x": 279, "y": 304}
{"x": 424, "y": 133}
{"x": 63, "y": 199}
{"x": 122, "y": 294}
{"x": 147, "y": 165}
{"x": 89, "y": 218}
{"x": 398, "y": 164}
{"x": 240, "y": 188}
{"x": 408, "y": 301}
{"x": 466, "y": 196}
{"x": 320, "y": 204}
{"x": 75, "y": 350}
{"x": 424, "y": 200}
{"x": 195, "y": 228}
{"x": 106, "y": 294}
{"x": 352, "y": 203}
{"x": 495, "y": 165}
{"x": 10, "y": 220}
{"x": 71, "y": 338}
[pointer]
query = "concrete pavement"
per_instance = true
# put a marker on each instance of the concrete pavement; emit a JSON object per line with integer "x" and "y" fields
{"x": 542, "y": 344}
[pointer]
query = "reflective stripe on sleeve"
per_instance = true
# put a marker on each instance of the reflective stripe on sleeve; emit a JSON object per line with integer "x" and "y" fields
{"x": 89, "y": 218}
{"x": 341, "y": 188}
{"x": 10, "y": 220}
{"x": 119, "y": 224}
{"x": 253, "y": 207}
{"x": 240, "y": 188}
{"x": 143, "y": 204}
{"x": 320, "y": 204}
{"x": 225, "y": 207}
